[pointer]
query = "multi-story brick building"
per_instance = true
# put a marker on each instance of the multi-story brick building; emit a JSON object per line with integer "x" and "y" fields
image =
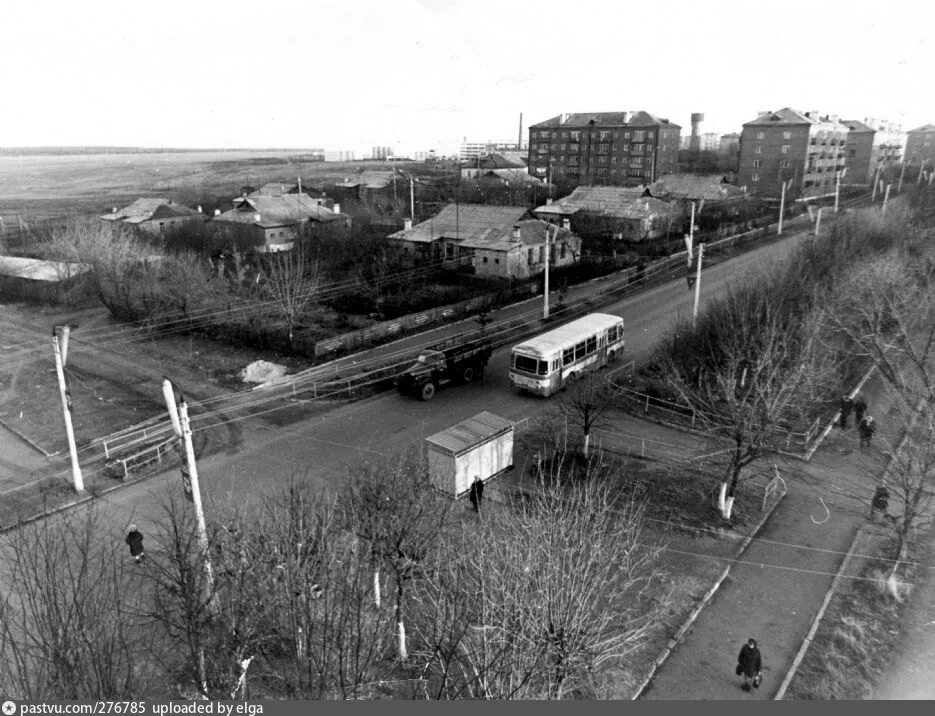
{"x": 623, "y": 148}
{"x": 871, "y": 145}
{"x": 920, "y": 145}
{"x": 806, "y": 147}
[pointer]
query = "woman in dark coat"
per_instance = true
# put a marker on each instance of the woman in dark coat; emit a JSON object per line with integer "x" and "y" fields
{"x": 135, "y": 540}
{"x": 749, "y": 663}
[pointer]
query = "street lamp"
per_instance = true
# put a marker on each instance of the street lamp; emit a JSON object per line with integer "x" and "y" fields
{"x": 60, "y": 348}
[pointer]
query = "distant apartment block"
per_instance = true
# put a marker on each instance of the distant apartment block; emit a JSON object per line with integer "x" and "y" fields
{"x": 618, "y": 148}
{"x": 381, "y": 152}
{"x": 805, "y": 147}
{"x": 472, "y": 150}
{"x": 872, "y": 145}
{"x": 920, "y": 146}
{"x": 340, "y": 155}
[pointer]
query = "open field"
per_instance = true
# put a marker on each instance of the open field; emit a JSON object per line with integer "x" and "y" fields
{"x": 51, "y": 186}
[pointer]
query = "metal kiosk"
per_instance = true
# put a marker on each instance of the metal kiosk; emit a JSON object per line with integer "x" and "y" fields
{"x": 481, "y": 446}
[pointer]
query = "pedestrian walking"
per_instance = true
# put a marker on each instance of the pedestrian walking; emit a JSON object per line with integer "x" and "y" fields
{"x": 866, "y": 428}
{"x": 135, "y": 540}
{"x": 860, "y": 408}
{"x": 881, "y": 501}
{"x": 846, "y": 404}
{"x": 750, "y": 665}
{"x": 477, "y": 493}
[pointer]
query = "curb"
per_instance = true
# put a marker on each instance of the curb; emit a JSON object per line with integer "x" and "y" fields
{"x": 816, "y": 622}
{"x": 26, "y": 440}
{"x": 683, "y": 630}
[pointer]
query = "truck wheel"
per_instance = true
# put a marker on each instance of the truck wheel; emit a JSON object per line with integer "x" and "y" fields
{"x": 427, "y": 391}
{"x": 467, "y": 375}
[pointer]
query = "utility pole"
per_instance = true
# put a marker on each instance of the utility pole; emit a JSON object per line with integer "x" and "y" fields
{"x": 545, "y": 288}
{"x": 902, "y": 172}
{"x": 837, "y": 188}
{"x": 818, "y": 221}
{"x": 412, "y": 199}
{"x": 691, "y": 228}
{"x": 180, "y": 424}
{"x": 61, "y": 355}
{"x": 876, "y": 182}
{"x": 886, "y": 197}
{"x": 921, "y": 167}
{"x": 697, "y": 286}
{"x": 782, "y": 208}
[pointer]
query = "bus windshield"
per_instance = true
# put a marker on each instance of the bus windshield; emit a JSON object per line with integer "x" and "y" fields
{"x": 530, "y": 365}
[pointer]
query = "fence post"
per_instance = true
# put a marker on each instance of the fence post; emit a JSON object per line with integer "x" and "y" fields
{"x": 126, "y": 474}
{"x": 106, "y": 452}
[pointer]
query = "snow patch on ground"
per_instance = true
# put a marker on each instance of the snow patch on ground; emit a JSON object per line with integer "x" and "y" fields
{"x": 261, "y": 371}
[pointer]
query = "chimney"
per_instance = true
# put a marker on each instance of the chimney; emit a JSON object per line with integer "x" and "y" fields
{"x": 407, "y": 224}
{"x": 217, "y": 212}
{"x": 256, "y": 217}
{"x": 548, "y": 202}
{"x": 516, "y": 236}
{"x": 337, "y": 208}
{"x": 199, "y": 209}
{"x": 563, "y": 118}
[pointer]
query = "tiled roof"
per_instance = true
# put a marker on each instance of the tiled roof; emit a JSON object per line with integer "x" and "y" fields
{"x": 277, "y": 211}
{"x": 616, "y": 201}
{"x": 710, "y": 187}
{"x": 147, "y": 209}
{"x": 786, "y": 115}
{"x": 638, "y": 118}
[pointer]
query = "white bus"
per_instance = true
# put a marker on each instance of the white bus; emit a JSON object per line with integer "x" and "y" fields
{"x": 546, "y": 363}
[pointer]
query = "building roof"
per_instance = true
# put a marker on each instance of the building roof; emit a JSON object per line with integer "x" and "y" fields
{"x": 470, "y": 433}
{"x": 285, "y": 210}
{"x": 924, "y": 128}
{"x": 39, "y": 270}
{"x": 480, "y": 226}
{"x": 369, "y": 179}
{"x": 149, "y": 209}
{"x": 638, "y": 118}
{"x": 614, "y": 201}
{"x": 710, "y": 187}
{"x": 516, "y": 176}
{"x": 786, "y": 115}
{"x": 275, "y": 188}
{"x": 854, "y": 125}
{"x": 494, "y": 161}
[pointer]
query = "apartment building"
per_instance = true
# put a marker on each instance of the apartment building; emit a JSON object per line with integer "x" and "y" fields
{"x": 619, "y": 148}
{"x": 805, "y": 147}
{"x": 920, "y": 145}
{"x": 872, "y": 145}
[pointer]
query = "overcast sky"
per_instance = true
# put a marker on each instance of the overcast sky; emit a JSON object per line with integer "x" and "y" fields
{"x": 422, "y": 74}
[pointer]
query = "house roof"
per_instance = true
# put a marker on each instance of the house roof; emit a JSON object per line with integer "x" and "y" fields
{"x": 285, "y": 210}
{"x": 615, "y": 201}
{"x": 480, "y": 226}
{"x": 856, "y": 126}
{"x": 517, "y": 176}
{"x": 369, "y": 179}
{"x": 789, "y": 116}
{"x": 710, "y": 187}
{"x": 924, "y": 128}
{"x": 494, "y": 161}
{"x": 639, "y": 118}
{"x": 147, "y": 209}
{"x": 39, "y": 270}
{"x": 275, "y": 188}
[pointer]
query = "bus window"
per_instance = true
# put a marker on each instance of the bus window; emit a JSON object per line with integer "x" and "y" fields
{"x": 529, "y": 365}
{"x": 568, "y": 356}
{"x": 580, "y": 351}
{"x": 543, "y": 367}
{"x": 591, "y": 345}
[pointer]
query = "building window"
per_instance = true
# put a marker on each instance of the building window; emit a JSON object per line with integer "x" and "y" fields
{"x": 626, "y": 135}
{"x": 529, "y": 257}
{"x": 496, "y": 261}
{"x": 485, "y": 259}
{"x": 761, "y": 135}
{"x": 785, "y": 164}
{"x": 787, "y": 135}
{"x": 639, "y": 135}
{"x": 755, "y": 176}
{"x": 785, "y": 148}
{"x": 757, "y": 163}
{"x": 758, "y": 149}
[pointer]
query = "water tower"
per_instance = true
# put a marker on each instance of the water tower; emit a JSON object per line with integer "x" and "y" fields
{"x": 695, "y": 144}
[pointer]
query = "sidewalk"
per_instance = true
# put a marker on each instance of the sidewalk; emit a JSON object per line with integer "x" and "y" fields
{"x": 776, "y": 587}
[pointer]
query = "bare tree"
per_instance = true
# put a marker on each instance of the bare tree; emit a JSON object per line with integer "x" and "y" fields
{"x": 395, "y": 509}
{"x": 70, "y": 615}
{"x": 539, "y": 599}
{"x": 585, "y": 405}
{"x": 291, "y": 280}
{"x": 745, "y": 374}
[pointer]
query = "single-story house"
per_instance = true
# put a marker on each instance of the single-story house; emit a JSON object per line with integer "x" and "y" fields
{"x": 626, "y": 213}
{"x": 497, "y": 241}
{"x": 703, "y": 189}
{"x": 477, "y": 168}
{"x": 23, "y": 279}
{"x": 511, "y": 177}
{"x": 154, "y": 215}
{"x": 277, "y": 221}
{"x": 274, "y": 188}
